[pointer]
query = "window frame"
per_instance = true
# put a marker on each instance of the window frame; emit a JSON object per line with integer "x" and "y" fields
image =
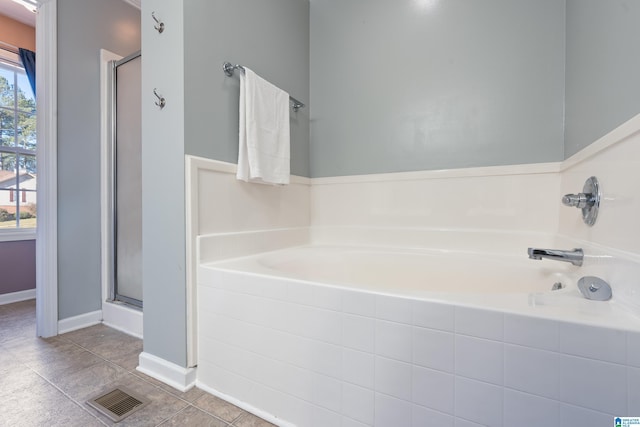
{"x": 17, "y": 233}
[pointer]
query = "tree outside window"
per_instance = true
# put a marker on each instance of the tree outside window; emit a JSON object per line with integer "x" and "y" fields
{"x": 17, "y": 150}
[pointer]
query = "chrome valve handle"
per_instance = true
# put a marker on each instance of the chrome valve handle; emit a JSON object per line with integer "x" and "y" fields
{"x": 588, "y": 200}
{"x": 580, "y": 200}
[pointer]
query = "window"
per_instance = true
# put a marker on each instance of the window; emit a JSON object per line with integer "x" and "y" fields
{"x": 17, "y": 148}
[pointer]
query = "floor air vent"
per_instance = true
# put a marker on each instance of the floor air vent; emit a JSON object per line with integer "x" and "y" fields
{"x": 118, "y": 403}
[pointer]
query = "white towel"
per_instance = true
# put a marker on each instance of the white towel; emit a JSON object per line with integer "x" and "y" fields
{"x": 264, "y": 148}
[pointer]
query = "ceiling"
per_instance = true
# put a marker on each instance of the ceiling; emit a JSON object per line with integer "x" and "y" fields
{"x": 15, "y": 11}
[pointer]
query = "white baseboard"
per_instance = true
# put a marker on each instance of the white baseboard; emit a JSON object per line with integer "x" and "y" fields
{"x": 182, "y": 379}
{"x": 17, "y": 296}
{"x": 124, "y": 319}
{"x": 78, "y": 322}
{"x": 244, "y": 405}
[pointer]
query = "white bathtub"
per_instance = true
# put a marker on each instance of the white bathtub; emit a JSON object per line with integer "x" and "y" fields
{"x": 366, "y": 336}
{"x": 407, "y": 272}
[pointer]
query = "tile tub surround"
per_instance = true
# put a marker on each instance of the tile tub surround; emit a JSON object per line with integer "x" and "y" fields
{"x": 615, "y": 160}
{"x": 45, "y": 382}
{"x": 506, "y": 200}
{"x": 219, "y": 204}
{"x": 569, "y": 387}
{"x": 314, "y": 355}
{"x": 489, "y": 198}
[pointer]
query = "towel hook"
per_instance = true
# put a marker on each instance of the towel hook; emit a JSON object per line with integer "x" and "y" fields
{"x": 161, "y": 101}
{"x": 160, "y": 26}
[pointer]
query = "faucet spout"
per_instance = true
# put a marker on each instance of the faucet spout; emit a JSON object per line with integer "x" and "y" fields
{"x": 575, "y": 256}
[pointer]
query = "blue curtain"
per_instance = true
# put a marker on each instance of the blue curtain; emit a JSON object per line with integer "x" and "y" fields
{"x": 29, "y": 62}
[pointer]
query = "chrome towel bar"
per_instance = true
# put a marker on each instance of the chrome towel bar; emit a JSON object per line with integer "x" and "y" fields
{"x": 229, "y": 68}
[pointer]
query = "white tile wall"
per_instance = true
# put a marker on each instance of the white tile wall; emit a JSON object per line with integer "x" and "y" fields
{"x": 529, "y": 410}
{"x": 432, "y": 315}
{"x": 583, "y": 383}
{"x": 576, "y": 416}
{"x": 315, "y": 323}
{"x": 391, "y": 412}
{"x": 461, "y": 422}
{"x": 434, "y": 349}
{"x": 393, "y": 309}
{"x": 487, "y": 369}
{"x": 633, "y": 349}
{"x": 479, "y": 323}
{"x": 480, "y": 359}
{"x": 349, "y": 422}
{"x": 358, "y": 403}
{"x": 532, "y": 370}
{"x": 326, "y": 391}
{"x": 423, "y": 417}
{"x": 321, "y": 417}
{"x": 361, "y": 303}
{"x": 393, "y": 340}
{"x": 393, "y": 378}
{"x": 318, "y": 296}
{"x": 359, "y": 332}
{"x": 433, "y": 389}
{"x": 479, "y": 402}
{"x": 358, "y": 367}
{"x": 633, "y": 378}
{"x": 539, "y": 333}
{"x": 595, "y": 343}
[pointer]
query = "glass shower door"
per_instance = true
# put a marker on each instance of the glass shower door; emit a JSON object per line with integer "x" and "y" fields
{"x": 127, "y": 181}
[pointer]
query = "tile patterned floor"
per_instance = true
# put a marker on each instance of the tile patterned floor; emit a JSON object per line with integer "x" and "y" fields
{"x": 46, "y": 382}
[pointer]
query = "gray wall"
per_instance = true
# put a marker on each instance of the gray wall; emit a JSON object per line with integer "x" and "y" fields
{"x": 270, "y": 37}
{"x": 163, "y": 198}
{"x": 84, "y": 27}
{"x": 17, "y": 266}
{"x": 414, "y": 85}
{"x": 603, "y": 69}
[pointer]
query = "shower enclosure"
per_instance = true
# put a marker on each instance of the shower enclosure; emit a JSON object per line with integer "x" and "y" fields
{"x": 126, "y": 182}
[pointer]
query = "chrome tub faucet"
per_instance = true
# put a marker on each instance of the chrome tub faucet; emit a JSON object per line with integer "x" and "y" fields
{"x": 575, "y": 256}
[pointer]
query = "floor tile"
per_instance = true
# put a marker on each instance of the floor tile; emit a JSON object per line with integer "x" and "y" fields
{"x": 35, "y": 402}
{"x": 8, "y": 362}
{"x": 29, "y": 347}
{"x": 129, "y": 358}
{"x": 64, "y": 413}
{"x": 15, "y": 329}
{"x": 94, "y": 336}
{"x": 250, "y": 420}
{"x": 46, "y": 382}
{"x": 190, "y": 396}
{"x": 59, "y": 360}
{"x": 110, "y": 344}
{"x": 21, "y": 380}
{"x": 218, "y": 407}
{"x": 192, "y": 416}
{"x": 82, "y": 384}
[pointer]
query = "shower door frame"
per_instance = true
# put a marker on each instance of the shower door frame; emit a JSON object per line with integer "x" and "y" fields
{"x": 113, "y": 295}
